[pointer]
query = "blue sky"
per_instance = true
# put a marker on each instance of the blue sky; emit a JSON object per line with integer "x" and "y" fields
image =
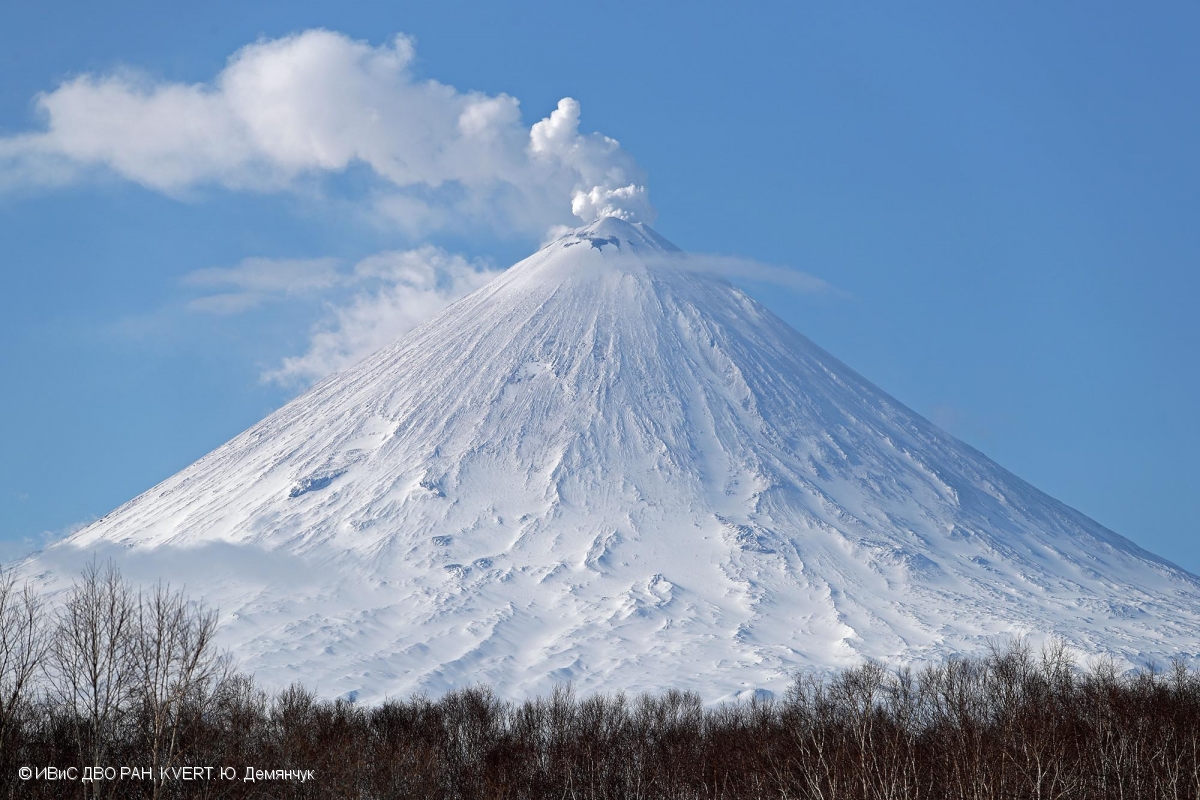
{"x": 1004, "y": 199}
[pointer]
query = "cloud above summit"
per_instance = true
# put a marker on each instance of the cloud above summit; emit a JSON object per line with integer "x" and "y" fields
{"x": 289, "y": 114}
{"x": 361, "y": 306}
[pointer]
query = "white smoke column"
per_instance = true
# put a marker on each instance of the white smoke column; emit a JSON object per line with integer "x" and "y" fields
{"x": 609, "y": 182}
{"x": 285, "y": 111}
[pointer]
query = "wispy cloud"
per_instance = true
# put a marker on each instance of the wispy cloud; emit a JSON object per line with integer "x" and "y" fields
{"x": 367, "y": 305}
{"x": 739, "y": 267}
{"x": 285, "y": 111}
{"x": 14, "y": 549}
{"x": 397, "y": 291}
{"x": 259, "y": 280}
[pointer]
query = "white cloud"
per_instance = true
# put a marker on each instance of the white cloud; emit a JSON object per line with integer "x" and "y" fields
{"x": 13, "y": 550}
{"x": 284, "y": 111}
{"x": 258, "y": 280}
{"x": 367, "y": 306}
{"x": 739, "y": 267}
{"x": 395, "y": 292}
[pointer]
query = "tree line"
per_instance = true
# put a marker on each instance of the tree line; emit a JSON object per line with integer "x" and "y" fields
{"x": 131, "y": 680}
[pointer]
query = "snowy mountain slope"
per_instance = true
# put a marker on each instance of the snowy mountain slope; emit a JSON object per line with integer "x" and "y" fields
{"x": 605, "y": 468}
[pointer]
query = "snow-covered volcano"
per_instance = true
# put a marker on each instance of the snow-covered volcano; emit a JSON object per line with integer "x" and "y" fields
{"x": 607, "y": 468}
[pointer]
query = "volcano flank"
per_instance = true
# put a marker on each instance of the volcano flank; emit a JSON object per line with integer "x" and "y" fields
{"x": 609, "y": 468}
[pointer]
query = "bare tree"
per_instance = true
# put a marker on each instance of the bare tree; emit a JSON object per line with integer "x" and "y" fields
{"x": 22, "y": 647}
{"x": 91, "y": 667}
{"x": 176, "y": 669}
